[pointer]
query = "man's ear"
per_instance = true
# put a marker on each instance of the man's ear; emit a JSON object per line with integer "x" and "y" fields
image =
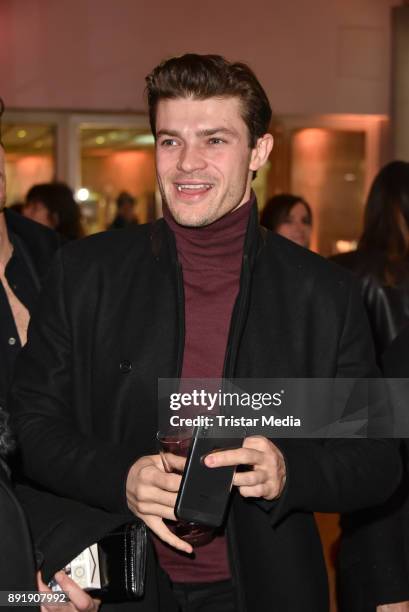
{"x": 260, "y": 153}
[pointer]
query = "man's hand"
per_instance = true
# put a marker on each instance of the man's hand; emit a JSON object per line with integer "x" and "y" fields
{"x": 151, "y": 492}
{"x": 266, "y": 478}
{"x": 403, "y": 606}
{"x": 80, "y": 601}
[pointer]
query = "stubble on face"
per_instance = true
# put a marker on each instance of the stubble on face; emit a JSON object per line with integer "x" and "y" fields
{"x": 203, "y": 158}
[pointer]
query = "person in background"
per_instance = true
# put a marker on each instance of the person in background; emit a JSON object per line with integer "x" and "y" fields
{"x": 17, "y": 558}
{"x": 53, "y": 205}
{"x": 382, "y": 258}
{"x": 26, "y": 250}
{"x": 125, "y": 215}
{"x": 290, "y": 216}
{"x": 377, "y": 540}
{"x": 373, "y": 572}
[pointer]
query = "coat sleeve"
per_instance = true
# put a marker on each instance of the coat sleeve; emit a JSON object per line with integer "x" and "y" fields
{"x": 340, "y": 475}
{"x": 56, "y": 453}
{"x": 379, "y": 537}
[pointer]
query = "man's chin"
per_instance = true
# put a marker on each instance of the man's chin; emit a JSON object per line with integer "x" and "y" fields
{"x": 189, "y": 217}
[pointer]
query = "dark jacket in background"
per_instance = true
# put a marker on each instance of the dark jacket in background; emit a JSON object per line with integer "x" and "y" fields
{"x": 379, "y": 540}
{"x": 33, "y": 248}
{"x": 17, "y": 564}
{"x": 84, "y": 400}
{"x": 121, "y": 223}
{"x": 22, "y": 508}
{"x": 374, "y": 539}
{"x": 387, "y": 307}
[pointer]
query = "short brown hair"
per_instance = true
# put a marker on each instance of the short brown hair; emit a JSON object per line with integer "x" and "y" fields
{"x": 207, "y": 76}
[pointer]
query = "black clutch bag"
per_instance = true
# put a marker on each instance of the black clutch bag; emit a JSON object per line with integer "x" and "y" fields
{"x": 122, "y": 563}
{"x": 113, "y": 569}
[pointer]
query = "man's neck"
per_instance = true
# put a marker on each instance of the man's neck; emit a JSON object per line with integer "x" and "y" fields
{"x": 5, "y": 244}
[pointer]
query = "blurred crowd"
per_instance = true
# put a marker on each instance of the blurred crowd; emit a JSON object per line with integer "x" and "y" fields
{"x": 54, "y": 205}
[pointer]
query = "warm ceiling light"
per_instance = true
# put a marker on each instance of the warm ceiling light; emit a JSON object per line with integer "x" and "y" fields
{"x": 21, "y": 133}
{"x": 100, "y": 140}
{"x": 345, "y": 246}
{"x": 82, "y": 194}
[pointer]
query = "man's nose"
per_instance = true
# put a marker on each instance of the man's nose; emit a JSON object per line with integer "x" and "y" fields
{"x": 191, "y": 159}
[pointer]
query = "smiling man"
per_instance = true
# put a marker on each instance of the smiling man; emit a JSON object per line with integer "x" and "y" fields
{"x": 203, "y": 292}
{"x": 205, "y": 158}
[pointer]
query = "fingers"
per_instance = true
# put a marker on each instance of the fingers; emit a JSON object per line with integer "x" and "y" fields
{"x": 257, "y": 442}
{"x": 78, "y": 597}
{"x": 142, "y": 509}
{"x": 150, "y": 489}
{"x": 252, "y": 483}
{"x": 41, "y": 586}
{"x": 174, "y": 463}
{"x": 237, "y": 456}
{"x": 80, "y": 601}
{"x": 258, "y": 491}
{"x": 157, "y": 496}
{"x": 161, "y": 530}
{"x": 250, "y": 478}
{"x": 267, "y": 476}
{"x": 151, "y": 476}
{"x": 251, "y": 453}
{"x": 152, "y": 500}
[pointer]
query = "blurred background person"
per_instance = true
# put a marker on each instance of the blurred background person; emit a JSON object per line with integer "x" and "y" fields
{"x": 378, "y": 538}
{"x": 53, "y": 205}
{"x": 290, "y": 216}
{"x": 382, "y": 258}
{"x": 26, "y": 250}
{"x": 125, "y": 214}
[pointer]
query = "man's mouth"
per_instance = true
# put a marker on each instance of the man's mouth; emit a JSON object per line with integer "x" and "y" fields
{"x": 193, "y": 188}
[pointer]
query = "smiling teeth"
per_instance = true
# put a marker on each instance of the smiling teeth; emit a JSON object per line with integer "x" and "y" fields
{"x": 202, "y": 186}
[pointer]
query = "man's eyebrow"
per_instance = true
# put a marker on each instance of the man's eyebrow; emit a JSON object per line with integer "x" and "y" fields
{"x": 168, "y": 133}
{"x": 207, "y": 132}
{"x": 218, "y": 130}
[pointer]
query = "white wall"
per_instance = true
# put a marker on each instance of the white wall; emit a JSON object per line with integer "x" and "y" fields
{"x": 313, "y": 56}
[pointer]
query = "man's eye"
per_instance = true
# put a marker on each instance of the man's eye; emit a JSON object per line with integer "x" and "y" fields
{"x": 168, "y": 142}
{"x": 216, "y": 141}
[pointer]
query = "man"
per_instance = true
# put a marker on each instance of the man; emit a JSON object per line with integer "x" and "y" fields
{"x": 26, "y": 249}
{"x": 203, "y": 293}
{"x": 125, "y": 215}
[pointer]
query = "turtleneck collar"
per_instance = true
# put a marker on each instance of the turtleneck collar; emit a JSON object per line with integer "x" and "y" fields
{"x": 212, "y": 246}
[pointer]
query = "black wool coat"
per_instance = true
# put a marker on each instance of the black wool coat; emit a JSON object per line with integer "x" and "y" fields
{"x": 110, "y": 323}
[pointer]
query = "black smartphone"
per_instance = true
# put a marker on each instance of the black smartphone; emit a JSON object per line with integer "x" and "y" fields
{"x": 204, "y": 492}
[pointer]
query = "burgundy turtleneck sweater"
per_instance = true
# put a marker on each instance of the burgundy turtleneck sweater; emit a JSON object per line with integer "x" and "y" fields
{"x": 211, "y": 259}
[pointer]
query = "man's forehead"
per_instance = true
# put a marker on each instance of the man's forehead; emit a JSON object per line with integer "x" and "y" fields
{"x": 203, "y": 113}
